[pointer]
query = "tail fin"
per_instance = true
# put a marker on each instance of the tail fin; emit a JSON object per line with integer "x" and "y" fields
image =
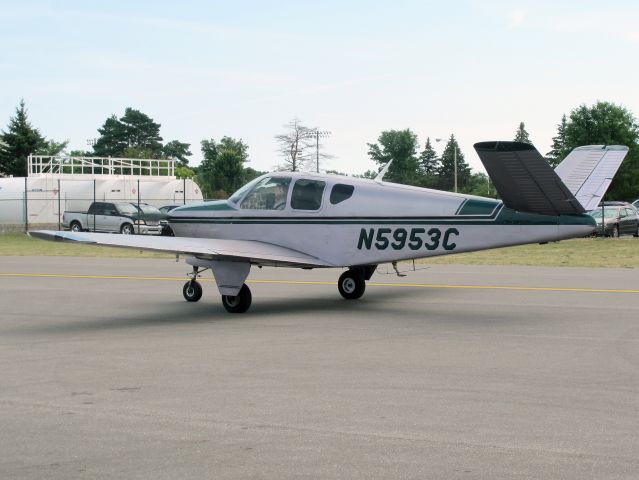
{"x": 524, "y": 180}
{"x": 588, "y": 171}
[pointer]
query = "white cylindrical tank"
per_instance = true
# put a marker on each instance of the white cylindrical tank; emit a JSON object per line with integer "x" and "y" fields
{"x": 48, "y": 197}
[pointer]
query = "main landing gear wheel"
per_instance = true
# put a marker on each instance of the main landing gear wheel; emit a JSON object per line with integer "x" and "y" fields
{"x": 192, "y": 291}
{"x": 239, "y": 303}
{"x": 351, "y": 285}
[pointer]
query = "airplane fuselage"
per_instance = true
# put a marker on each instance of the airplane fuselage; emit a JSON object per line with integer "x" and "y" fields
{"x": 377, "y": 222}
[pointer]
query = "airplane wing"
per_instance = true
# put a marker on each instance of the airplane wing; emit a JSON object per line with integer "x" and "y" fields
{"x": 255, "y": 252}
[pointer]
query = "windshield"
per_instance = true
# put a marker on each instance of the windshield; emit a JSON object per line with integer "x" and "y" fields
{"x": 608, "y": 213}
{"x": 127, "y": 209}
{"x": 237, "y": 196}
{"x": 269, "y": 193}
{"x": 148, "y": 209}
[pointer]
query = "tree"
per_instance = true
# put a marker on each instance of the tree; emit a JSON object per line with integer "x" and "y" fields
{"x": 446, "y": 170}
{"x": 222, "y": 169}
{"x": 558, "y": 151}
{"x": 608, "y": 124}
{"x": 53, "y": 148}
{"x": 20, "y": 140}
{"x": 182, "y": 171}
{"x": 112, "y": 140}
{"x": 479, "y": 184}
{"x": 428, "y": 163}
{"x": 141, "y": 131}
{"x": 134, "y": 130}
{"x": 400, "y": 146}
{"x": 178, "y": 151}
{"x": 296, "y": 146}
{"x": 522, "y": 134}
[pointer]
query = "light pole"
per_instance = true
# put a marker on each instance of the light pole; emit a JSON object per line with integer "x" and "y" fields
{"x": 455, "y": 160}
{"x": 317, "y": 134}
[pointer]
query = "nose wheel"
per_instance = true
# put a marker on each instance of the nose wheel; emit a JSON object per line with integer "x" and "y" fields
{"x": 192, "y": 291}
{"x": 351, "y": 285}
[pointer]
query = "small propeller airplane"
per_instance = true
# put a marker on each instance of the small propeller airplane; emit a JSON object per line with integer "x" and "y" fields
{"x": 305, "y": 220}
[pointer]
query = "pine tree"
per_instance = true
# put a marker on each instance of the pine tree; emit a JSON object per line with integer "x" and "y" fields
{"x": 522, "y": 134}
{"x": 112, "y": 140}
{"x": 178, "y": 151}
{"x": 20, "y": 140}
{"x": 428, "y": 163}
{"x": 446, "y": 170}
{"x": 134, "y": 134}
{"x": 558, "y": 151}
{"x": 428, "y": 159}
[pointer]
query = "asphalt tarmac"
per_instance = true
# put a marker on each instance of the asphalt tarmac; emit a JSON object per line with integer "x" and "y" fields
{"x": 451, "y": 372}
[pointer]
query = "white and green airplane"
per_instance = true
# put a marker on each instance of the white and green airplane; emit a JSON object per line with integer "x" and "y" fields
{"x": 305, "y": 220}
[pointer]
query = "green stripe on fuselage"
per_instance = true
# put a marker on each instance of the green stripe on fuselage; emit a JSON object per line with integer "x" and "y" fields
{"x": 213, "y": 206}
{"x": 498, "y": 215}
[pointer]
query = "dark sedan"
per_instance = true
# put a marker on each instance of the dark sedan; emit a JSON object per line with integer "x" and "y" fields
{"x": 617, "y": 220}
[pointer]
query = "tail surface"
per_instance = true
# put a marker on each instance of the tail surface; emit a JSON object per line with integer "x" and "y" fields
{"x": 524, "y": 179}
{"x": 588, "y": 171}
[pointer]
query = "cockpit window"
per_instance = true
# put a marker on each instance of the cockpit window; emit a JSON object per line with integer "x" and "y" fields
{"x": 341, "y": 192}
{"x": 237, "y": 196}
{"x": 268, "y": 194}
{"x": 307, "y": 194}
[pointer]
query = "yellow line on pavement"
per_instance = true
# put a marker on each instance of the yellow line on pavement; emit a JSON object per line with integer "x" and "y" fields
{"x": 307, "y": 282}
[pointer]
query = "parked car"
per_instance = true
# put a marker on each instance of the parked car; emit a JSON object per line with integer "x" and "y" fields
{"x": 151, "y": 211}
{"x": 636, "y": 204}
{"x": 619, "y": 218}
{"x": 122, "y": 218}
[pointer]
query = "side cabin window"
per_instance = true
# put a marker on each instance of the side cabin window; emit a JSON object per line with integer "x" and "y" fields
{"x": 341, "y": 192}
{"x": 307, "y": 194}
{"x": 268, "y": 194}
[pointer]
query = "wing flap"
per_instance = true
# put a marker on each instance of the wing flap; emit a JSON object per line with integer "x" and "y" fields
{"x": 240, "y": 250}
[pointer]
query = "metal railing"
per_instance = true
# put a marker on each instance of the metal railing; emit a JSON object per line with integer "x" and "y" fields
{"x": 39, "y": 165}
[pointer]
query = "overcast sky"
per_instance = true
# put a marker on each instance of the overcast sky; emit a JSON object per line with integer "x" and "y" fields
{"x": 246, "y": 68}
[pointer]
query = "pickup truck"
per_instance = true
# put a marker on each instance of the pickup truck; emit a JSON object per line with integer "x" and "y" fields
{"x": 123, "y": 218}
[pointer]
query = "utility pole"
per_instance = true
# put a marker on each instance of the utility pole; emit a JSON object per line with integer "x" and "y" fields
{"x": 317, "y": 134}
{"x": 455, "y": 168}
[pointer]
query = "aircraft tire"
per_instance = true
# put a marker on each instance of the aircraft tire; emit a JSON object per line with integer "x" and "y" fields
{"x": 192, "y": 291}
{"x": 351, "y": 285}
{"x": 239, "y": 303}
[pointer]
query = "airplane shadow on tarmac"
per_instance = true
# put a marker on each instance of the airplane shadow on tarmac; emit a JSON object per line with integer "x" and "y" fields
{"x": 386, "y": 304}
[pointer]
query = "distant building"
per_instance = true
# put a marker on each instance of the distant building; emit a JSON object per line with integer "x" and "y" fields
{"x": 55, "y": 184}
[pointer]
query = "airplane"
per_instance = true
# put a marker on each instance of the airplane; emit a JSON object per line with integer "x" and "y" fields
{"x": 307, "y": 220}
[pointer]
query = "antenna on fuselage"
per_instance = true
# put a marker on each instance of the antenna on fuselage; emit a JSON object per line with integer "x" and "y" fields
{"x": 383, "y": 171}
